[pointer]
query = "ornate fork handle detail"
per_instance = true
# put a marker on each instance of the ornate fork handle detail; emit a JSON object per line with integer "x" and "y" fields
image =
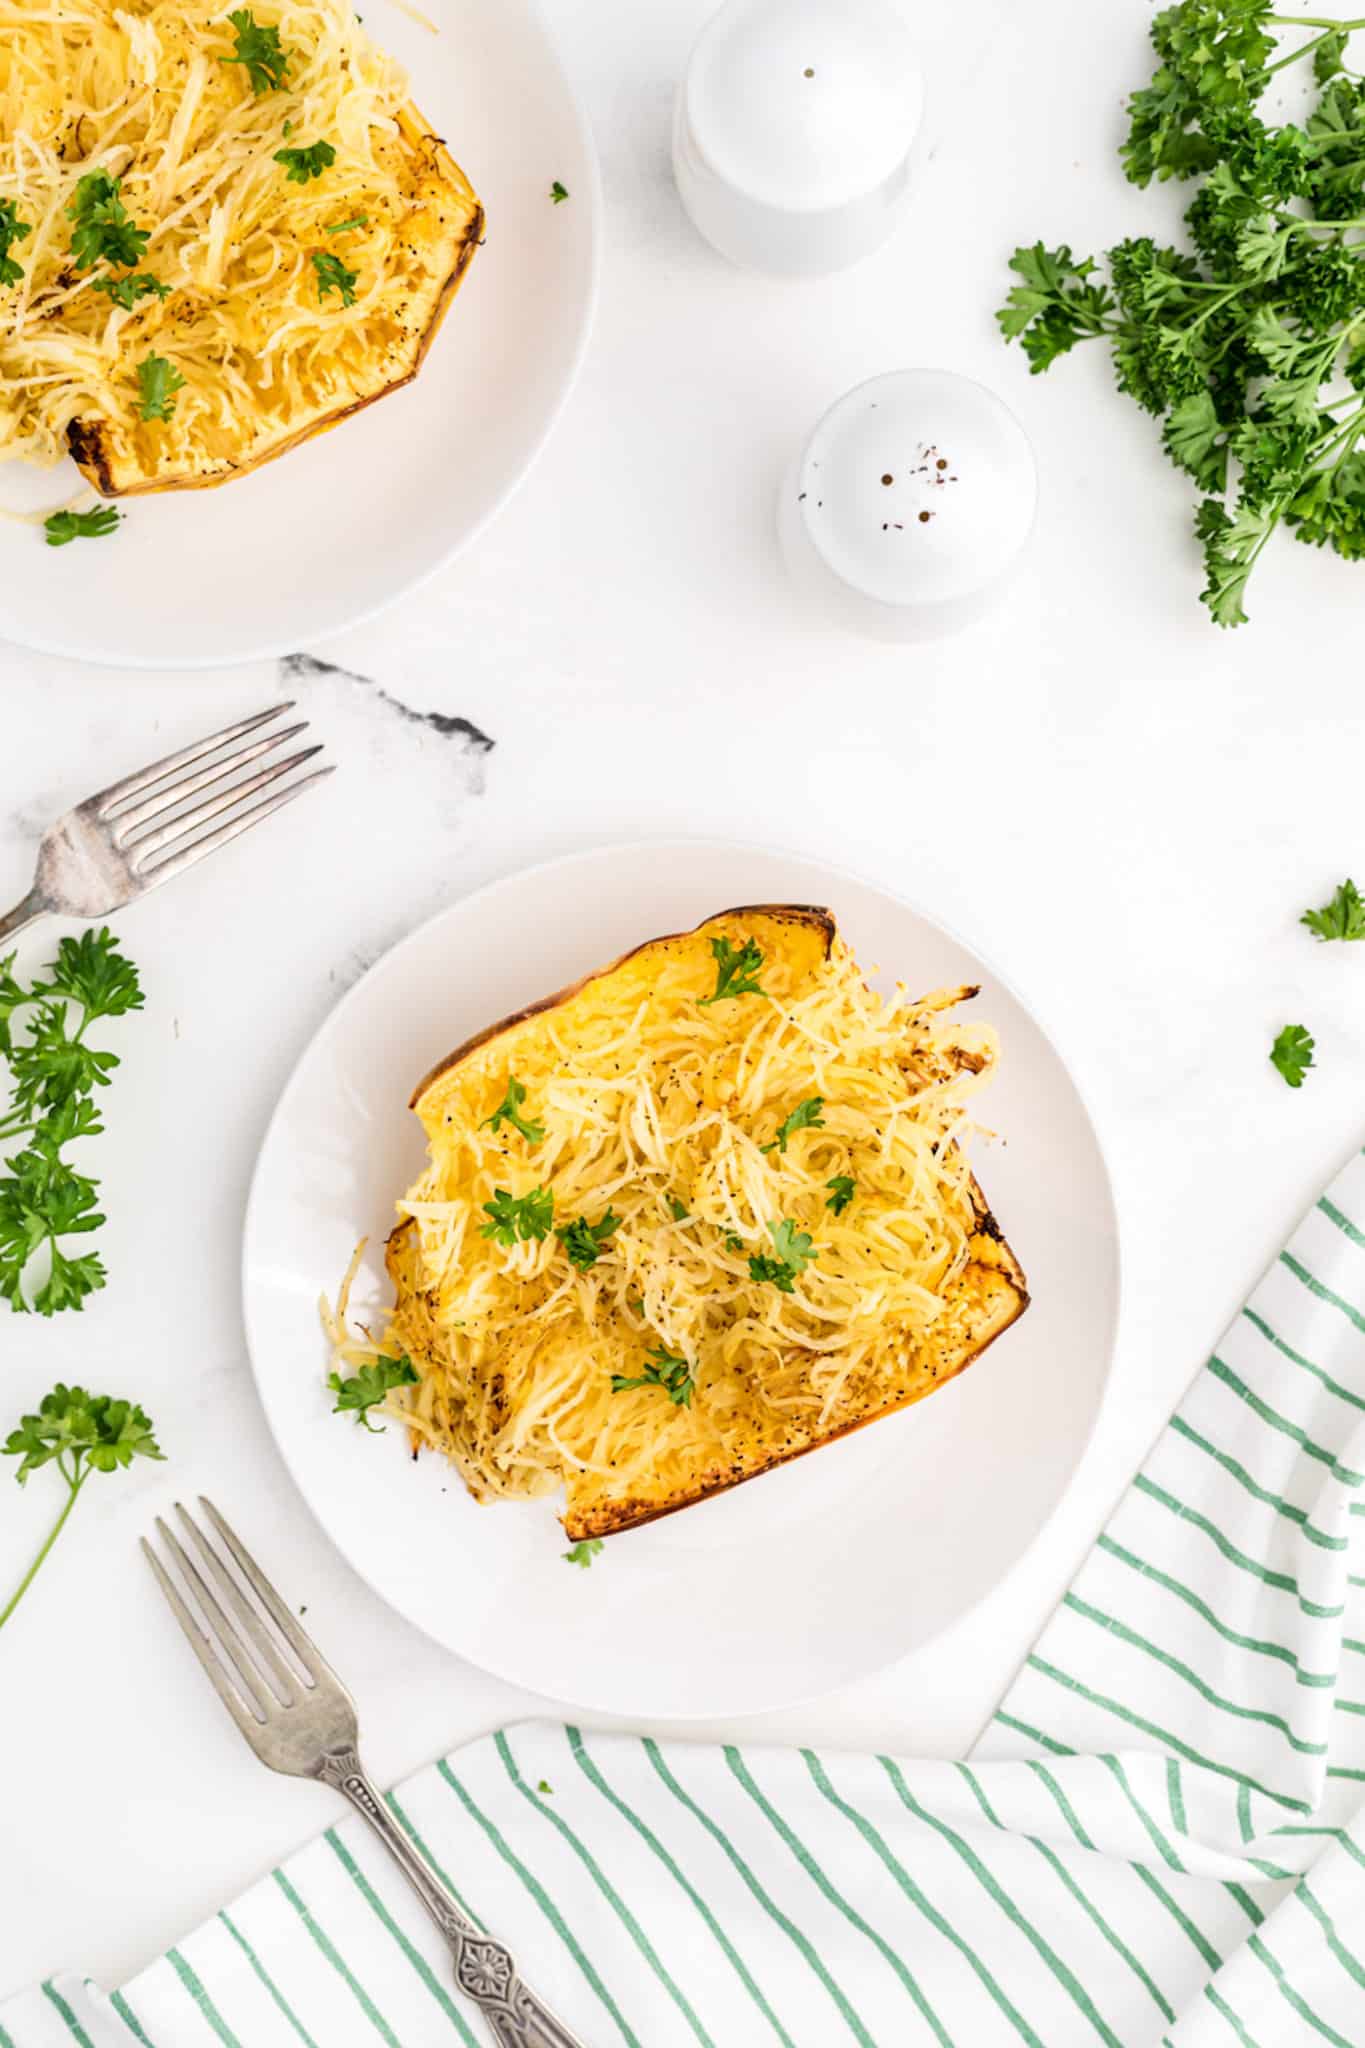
{"x": 484, "y": 1968}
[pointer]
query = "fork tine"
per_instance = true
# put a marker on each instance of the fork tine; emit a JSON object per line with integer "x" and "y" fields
{"x": 298, "y": 1639}
{"x": 157, "y": 771}
{"x": 123, "y": 822}
{"x": 175, "y": 863}
{"x": 182, "y": 828}
{"x": 283, "y": 1680}
{"x": 202, "y": 1647}
{"x": 250, "y": 1678}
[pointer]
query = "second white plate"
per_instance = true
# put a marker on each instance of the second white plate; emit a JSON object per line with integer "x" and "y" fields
{"x": 343, "y": 525}
{"x": 803, "y": 1580}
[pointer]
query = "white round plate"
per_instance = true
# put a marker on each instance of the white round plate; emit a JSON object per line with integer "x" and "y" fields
{"x": 344, "y": 524}
{"x": 813, "y": 1575}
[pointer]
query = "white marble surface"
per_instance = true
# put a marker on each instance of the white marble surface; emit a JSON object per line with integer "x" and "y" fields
{"x": 1126, "y": 809}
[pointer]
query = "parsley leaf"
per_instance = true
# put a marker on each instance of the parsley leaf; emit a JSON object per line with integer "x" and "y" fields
{"x": 736, "y": 971}
{"x": 158, "y": 382}
{"x": 103, "y": 228}
{"x": 1292, "y": 1054}
{"x": 583, "y": 1241}
{"x": 806, "y": 1116}
{"x": 558, "y": 193}
{"x": 664, "y": 1370}
{"x": 342, "y": 227}
{"x": 794, "y": 1251}
{"x": 546, "y": 1787}
{"x": 526, "y": 1217}
{"x": 79, "y": 1433}
{"x": 333, "y": 276}
{"x": 583, "y": 1553}
{"x": 508, "y": 1111}
{"x": 64, "y": 527}
{"x": 366, "y": 1389}
{"x": 302, "y": 165}
{"x": 677, "y": 1209}
{"x": 1342, "y": 918}
{"x": 267, "y": 63}
{"x": 54, "y": 1073}
{"x": 125, "y": 291}
{"x": 12, "y": 230}
{"x": 843, "y": 1188}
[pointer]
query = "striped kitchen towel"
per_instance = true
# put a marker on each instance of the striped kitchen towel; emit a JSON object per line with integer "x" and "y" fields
{"x": 1159, "y": 1840}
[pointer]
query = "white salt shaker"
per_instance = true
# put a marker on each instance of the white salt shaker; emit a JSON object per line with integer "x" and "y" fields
{"x": 910, "y": 505}
{"x": 794, "y": 128}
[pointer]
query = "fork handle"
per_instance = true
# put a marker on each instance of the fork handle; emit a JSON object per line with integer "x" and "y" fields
{"x": 484, "y": 1968}
{"x": 23, "y": 914}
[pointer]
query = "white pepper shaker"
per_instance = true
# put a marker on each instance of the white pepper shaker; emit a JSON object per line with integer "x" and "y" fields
{"x": 910, "y": 505}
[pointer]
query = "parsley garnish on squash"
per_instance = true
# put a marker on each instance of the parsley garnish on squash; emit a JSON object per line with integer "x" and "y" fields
{"x": 158, "y": 382}
{"x": 842, "y": 1188}
{"x": 1235, "y": 345}
{"x": 343, "y": 227}
{"x": 1342, "y": 918}
{"x": 302, "y": 165}
{"x": 583, "y": 1241}
{"x": 259, "y": 49}
{"x": 664, "y": 1370}
{"x": 795, "y": 1251}
{"x": 526, "y": 1218}
{"x": 1292, "y": 1054}
{"x": 737, "y": 970}
{"x": 366, "y": 1389}
{"x": 103, "y": 228}
{"x": 64, "y": 527}
{"x": 79, "y": 1433}
{"x": 125, "y": 291}
{"x": 508, "y": 1111}
{"x": 12, "y": 230}
{"x": 333, "y": 276}
{"x": 54, "y": 1073}
{"x": 807, "y": 1116}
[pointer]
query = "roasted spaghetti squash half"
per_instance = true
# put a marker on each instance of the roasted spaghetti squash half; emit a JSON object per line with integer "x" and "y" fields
{"x": 702, "y": 1213}
{"x": 222, "y": 231}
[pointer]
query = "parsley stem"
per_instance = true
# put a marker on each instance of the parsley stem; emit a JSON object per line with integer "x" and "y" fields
{"x": 74, "y": 1487}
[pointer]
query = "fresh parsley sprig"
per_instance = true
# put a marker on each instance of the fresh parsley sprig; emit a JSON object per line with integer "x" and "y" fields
{"x": 665, "y": 1370}
{"x": 1342, "y": 918}
{"x": 79, "y": 1433}
{"x": 508, "y": 1111}
{"x": 807, "y": 1116}
{"x": 62, "y": 528}
{"x": 158, "y": 381}
{"x": 306, "y": 163}
{"x": 1292, "y": 1054}
{"x": 333, "y": 276}
{"x": 54, "y": 1073}
{"x": 103, "y": 230}
{"x": 1250, "y": 347}
{"x": 260, "y": 51}
{"x": 583, "y": 1553}
{"x": 583, "y": 1241}
{"x": 519, "y": 1218}
{"x": 358, "y": 1392}
{"x": 795, "y": 1251}
{"x": 12, "y": 230}
{"x": 842, "y": 1188}
{"x": 125, "y": 291}
{"x": 737, "y": 970}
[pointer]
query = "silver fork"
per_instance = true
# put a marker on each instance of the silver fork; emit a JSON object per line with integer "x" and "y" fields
{"x": 143, "y": 830}
{"x": 300, "y": 1719}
